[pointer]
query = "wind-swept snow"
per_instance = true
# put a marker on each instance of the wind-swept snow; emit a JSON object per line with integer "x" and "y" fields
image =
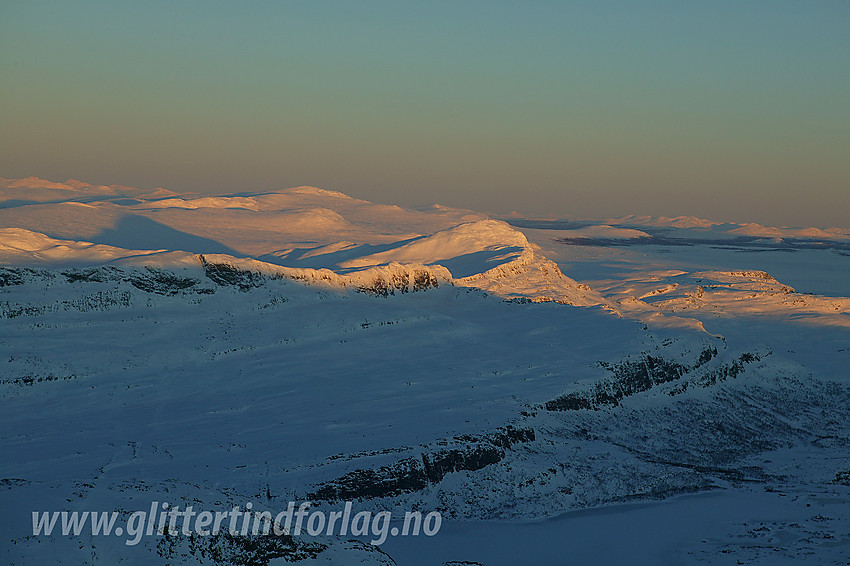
{"x": 475, "y": 242}
{"x": 304, "y": 228}
{"x": 24, "y": 247}
{"x": 689, "y": 226}
{"x": 605, "y": 232}
{"x": 17, "y": 192}
{"x": 689, "y": 402}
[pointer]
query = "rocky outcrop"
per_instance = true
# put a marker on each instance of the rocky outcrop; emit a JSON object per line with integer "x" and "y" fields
{"x": 383, "y": 280}
{"x": 469, "y": 452}
{"x": 647, "y": 371}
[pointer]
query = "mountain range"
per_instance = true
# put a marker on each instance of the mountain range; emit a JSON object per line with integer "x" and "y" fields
{"x": 641, "y": 389}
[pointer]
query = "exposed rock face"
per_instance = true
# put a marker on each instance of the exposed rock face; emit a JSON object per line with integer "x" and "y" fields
{"x": 411, "y": 474}
{"x": 646, "y": 372}
{"x": 532, "y": 276}
{"x": 382, "y": 280}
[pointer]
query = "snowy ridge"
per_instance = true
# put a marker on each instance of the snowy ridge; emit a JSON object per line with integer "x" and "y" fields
{"x": 343, "y": 235}
{"x": 681, "y": 230}
{"x": 25, "y": 247}
{"x": 566, "y": 408}
{"x": 274, "y": 347}
{"x": 536, "y": 278}
{"x": 725, "y": 294}
{"x": 13, "y": 192}
{"x": 732, "y": 228}
{"x": 491, "y": 239}
{"x": 378, "y": 280}
{"x": 606, "y": 232}
{"x": 513, "y": 279}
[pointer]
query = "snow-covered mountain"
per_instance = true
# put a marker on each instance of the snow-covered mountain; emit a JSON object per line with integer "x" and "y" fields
{"x": 304, "y": 345}
{"x": 304, "y": 228}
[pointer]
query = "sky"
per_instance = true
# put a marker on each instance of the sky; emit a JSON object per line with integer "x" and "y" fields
{"x": 732, "y": 111}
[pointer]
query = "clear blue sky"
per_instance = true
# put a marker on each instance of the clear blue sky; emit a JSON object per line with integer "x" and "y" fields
{"x": 725, "y": 110}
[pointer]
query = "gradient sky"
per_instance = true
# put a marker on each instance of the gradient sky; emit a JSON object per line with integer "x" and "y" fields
{"x": 725, "y": 110}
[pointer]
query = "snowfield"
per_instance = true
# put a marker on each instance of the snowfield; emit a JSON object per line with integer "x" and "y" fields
{"x": 639, "y": 390}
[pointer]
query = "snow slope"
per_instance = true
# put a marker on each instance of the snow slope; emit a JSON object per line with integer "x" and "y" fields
{"x": 303, "y": 228}
{"x": 661, "y": 404}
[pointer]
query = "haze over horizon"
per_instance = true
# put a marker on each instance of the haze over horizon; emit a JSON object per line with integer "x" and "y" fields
{"x": 228, "y": 301}
{"x": 729, "y": 111}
